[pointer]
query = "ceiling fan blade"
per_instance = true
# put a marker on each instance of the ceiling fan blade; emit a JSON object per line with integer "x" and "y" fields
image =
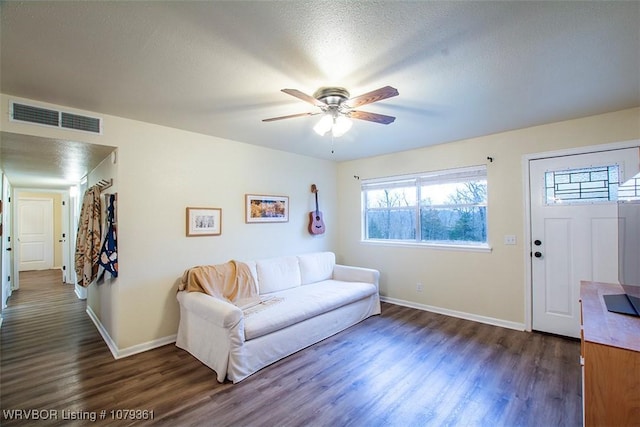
{"x": 291, "y": 116}
{"x": 372, "y": 117}
{"x": 303, "y": 96}
{"x": 373, "y": 96}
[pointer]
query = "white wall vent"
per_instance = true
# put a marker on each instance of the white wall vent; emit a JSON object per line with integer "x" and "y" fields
{"x": 48, "y": 117}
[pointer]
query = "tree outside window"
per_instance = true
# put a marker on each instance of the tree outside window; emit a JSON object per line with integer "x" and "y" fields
{"x": 452, "y": 208}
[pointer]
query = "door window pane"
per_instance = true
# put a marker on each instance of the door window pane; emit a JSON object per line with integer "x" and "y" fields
{"x": 596, "y": 184}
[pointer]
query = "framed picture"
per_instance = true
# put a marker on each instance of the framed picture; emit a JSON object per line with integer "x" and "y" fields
{"x": 261, "y": 208}
{"x": 204, "y": 221}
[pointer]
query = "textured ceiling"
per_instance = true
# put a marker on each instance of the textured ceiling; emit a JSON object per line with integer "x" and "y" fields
{"x": 48, "y": 163}
{"x": 463, "y": 69}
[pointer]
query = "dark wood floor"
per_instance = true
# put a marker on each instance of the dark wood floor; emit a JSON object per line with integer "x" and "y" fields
{"x": 403, "y": 368}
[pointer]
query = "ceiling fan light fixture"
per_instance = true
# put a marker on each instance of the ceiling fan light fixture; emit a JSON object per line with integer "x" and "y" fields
{"x": 338, "y": 108}
{"x": 324, "y": 125}
{"x": 337, "y": 124}
{"x": 341, "y": 125}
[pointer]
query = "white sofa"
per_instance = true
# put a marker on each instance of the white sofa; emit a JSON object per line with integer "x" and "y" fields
{"x": 311, "y": 299}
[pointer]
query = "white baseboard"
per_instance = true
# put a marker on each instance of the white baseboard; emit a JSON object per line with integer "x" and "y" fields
{"x": 459, "y": 314}
{"x": 103, "y": 332}
{"x": 118, "y": 353}
{"x": 146, "y": 346}
{"x": 78, "y": 294}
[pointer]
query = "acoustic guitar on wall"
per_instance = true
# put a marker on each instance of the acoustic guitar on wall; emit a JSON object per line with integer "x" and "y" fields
{"x": 316, "y": 224}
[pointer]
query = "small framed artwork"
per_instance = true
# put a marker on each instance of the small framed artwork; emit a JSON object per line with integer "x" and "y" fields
{"x": 261, "y": 208}
{"x": 204, "y": 222}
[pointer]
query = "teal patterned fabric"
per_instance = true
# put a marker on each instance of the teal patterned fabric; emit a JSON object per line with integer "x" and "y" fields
{"x": 109, "y": 252}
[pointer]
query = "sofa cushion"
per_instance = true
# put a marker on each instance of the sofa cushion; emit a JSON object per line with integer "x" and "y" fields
{"x": 303, "y": 302}
{"x": 316, "y": 267}
{"x": 277, "y": 274}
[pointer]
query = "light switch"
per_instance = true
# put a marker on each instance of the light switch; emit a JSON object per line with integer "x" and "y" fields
{"x": 509, "y": 239}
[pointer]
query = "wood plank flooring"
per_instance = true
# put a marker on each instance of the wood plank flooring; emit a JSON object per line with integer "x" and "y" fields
{"x": 403, "y": 368}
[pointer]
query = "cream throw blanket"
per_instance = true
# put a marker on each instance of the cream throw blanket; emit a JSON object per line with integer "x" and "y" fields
{"x": 231, "y": 281}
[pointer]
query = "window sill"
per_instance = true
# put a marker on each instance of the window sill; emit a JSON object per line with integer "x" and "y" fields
{"x": 447, "y": 247}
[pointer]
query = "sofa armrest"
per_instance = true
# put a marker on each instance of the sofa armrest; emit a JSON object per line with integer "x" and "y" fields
{"x": 210, "y": 329}
{"x": 348, "y": 273}
{"x": 214, "y": 310}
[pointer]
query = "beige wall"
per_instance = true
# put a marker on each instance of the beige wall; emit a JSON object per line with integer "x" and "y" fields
{"x": 483, "y": 284}
{"x": 160, "y": 171}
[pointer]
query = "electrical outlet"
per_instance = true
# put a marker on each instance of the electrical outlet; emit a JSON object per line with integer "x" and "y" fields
{"x": 419, "y": 287}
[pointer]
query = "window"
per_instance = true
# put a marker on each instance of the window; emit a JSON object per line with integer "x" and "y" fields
{"x": 595, "y": 184}
{"x": 443, "y": 208}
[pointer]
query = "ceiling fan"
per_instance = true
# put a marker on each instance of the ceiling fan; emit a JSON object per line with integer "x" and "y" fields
{"x": 337, "y": 108}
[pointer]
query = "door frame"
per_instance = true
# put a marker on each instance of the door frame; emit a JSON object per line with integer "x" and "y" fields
{"x": 67, "y": 244}
{"x": 528, "y": 280}
{"x": 6, "y": 258}
{"x": 66, "y": 226}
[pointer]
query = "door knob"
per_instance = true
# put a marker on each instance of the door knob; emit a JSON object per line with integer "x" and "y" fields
{"x": 8, "y": 249}
{"x": 537, "y": 242}
{"x": 537, "y": 255}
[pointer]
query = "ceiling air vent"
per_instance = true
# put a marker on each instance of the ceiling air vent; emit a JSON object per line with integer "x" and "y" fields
{"x": 41, "y": 116}
{"x": 74, "y": 121}
{"x": 60, "y": 119}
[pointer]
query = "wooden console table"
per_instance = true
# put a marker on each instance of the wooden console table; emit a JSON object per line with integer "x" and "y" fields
{"x": 610, "y": 355}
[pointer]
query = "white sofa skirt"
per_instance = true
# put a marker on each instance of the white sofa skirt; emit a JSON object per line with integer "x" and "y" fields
{"x": 265, "y": 350}
{"x": 218, "y": 341}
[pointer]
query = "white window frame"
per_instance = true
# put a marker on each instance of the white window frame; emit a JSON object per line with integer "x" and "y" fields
{"x": 472, "y": 173}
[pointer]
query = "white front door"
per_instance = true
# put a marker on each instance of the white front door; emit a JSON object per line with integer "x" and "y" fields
{"x": 574, "y": 234}
{"x": 35, "y": 228}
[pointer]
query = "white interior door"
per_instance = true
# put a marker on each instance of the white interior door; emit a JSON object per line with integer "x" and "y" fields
{"x": 35, "y": 228}
{"x": 574, "y": 234}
